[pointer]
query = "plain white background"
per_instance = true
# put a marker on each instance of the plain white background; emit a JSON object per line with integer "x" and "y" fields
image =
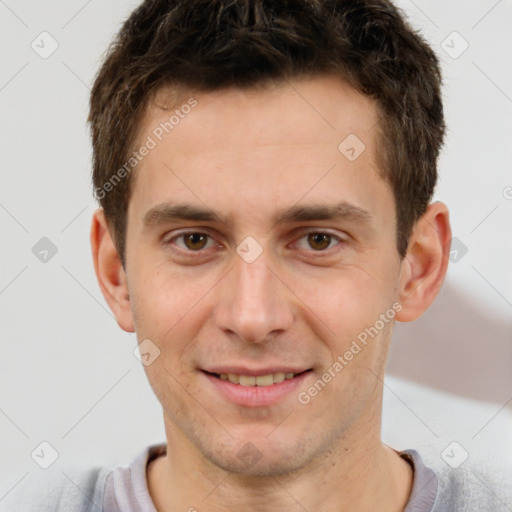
{"x": 68, "y": 373}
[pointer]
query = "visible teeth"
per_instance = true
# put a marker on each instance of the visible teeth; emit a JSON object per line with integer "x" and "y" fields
{"x": 264, "y": 380}
{"x": 247, "y": 380}
{"x": 261, "y": 380}
{"x": 235, "y": 379}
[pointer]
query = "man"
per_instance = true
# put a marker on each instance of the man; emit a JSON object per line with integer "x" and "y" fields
{"x": 265, "y": 172}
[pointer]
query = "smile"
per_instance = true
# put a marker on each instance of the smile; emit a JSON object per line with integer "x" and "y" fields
{"x": 260, "y": 380}
{"x": 256, "y": 390}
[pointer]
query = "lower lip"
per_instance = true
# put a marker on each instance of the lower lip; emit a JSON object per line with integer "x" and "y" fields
{"x": 257, "y": 396}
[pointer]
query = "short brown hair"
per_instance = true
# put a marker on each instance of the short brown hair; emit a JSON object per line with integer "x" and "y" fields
{"x": 213, "y": 44}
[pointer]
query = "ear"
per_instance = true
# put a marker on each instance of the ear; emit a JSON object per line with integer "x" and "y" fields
{"x": 109, "y": 271}
{"x": 424, "y": 267}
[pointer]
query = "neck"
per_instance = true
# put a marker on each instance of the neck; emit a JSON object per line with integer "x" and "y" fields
{"x": 354, "y": 475}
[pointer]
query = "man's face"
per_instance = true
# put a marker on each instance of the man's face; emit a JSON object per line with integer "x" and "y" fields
{"x": 210, "y": 304}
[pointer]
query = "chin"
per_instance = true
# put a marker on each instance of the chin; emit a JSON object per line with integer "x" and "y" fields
{"x": 262, "y": 465}
{"x": 258, "y": 456}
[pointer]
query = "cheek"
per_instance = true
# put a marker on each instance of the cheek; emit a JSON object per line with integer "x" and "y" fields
{"x": 162, "y": 298}
{"x": 346, "y": 300}
{"x": 170, "y": 308}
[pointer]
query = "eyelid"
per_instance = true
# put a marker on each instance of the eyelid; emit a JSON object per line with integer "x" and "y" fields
{"x": 299, "y": 236}
{"x": 305, "y": 232}
{"x": 180, "y": 234}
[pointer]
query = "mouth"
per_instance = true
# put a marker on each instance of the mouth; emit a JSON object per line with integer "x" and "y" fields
{"x": 268, "y": 379}
{"x": 267, "y": 389}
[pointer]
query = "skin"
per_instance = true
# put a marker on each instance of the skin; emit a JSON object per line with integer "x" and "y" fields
{"x": 248, "y": 154}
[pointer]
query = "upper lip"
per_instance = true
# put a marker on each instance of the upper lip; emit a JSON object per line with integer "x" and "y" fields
{"x": 241, "y": 370}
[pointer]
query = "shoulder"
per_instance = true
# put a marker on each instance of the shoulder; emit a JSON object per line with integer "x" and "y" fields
{"x": 58, "y": 490}
{"x": 470, "y": 488}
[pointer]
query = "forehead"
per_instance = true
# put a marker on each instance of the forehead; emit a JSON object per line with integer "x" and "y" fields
{"x": 324, "y": 107}
{"x": 263, "y": 149}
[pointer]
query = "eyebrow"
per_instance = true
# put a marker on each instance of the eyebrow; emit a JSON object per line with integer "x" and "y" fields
{"x": 168, "y": 212}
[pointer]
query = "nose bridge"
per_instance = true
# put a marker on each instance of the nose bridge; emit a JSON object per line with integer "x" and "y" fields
{"x": 253, "y": 303}
{"x": 252, "y": 283}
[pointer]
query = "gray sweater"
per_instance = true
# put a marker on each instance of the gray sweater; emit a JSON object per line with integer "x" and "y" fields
{"x": 124, "y": 489}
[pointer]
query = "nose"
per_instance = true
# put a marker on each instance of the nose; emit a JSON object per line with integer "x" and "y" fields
{"x": 254, "y": 303}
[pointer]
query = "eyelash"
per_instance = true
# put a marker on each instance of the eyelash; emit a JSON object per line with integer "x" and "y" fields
{"x": 199, "y": 253}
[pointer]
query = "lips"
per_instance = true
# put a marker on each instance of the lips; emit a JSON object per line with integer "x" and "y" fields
{"x": 259, "y": 378}
{"x": 256, "y": 390}
{"x": 242, "y": 370}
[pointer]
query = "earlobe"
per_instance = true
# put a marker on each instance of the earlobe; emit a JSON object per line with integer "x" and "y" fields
{"x": 425, "y": 264}
{"x": 109, "y": 271}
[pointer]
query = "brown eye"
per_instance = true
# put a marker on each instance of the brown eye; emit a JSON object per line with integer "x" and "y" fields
{"x": 191, "y": 244}
{"x": 319, "y": 241}
{"x": 323, "y": 243}
{"x": 195, "y": 241}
